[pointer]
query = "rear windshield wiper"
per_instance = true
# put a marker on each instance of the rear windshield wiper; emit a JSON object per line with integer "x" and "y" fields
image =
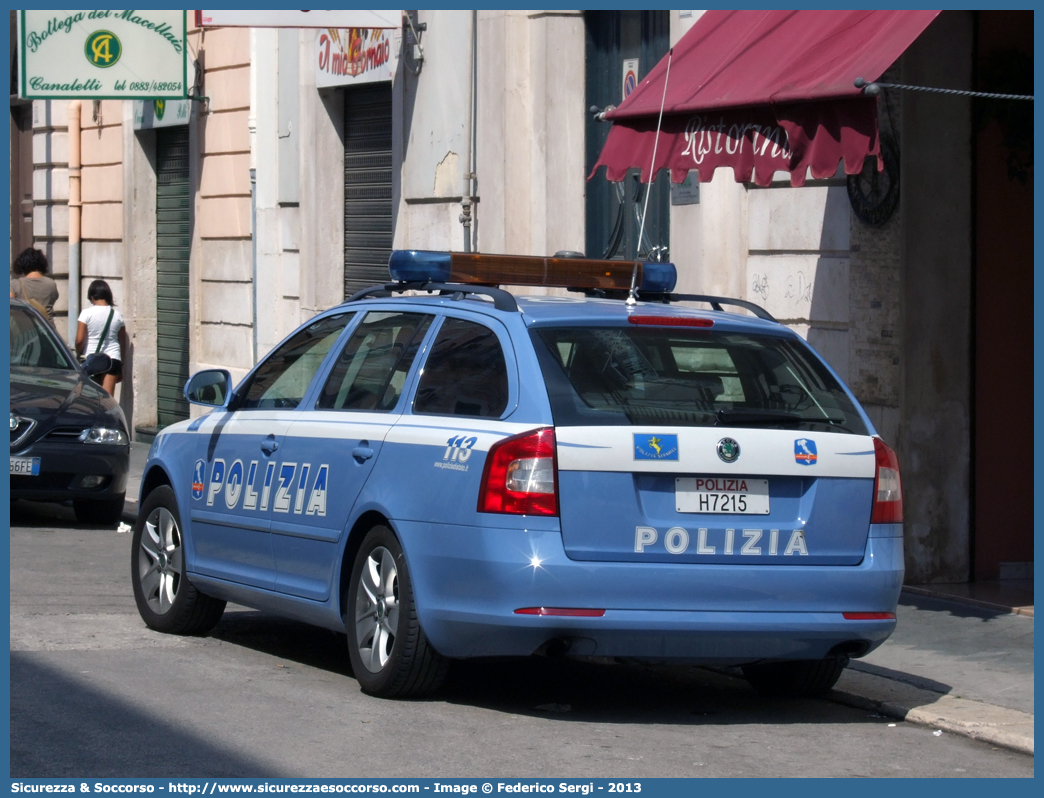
{"x": 740, "y": 416}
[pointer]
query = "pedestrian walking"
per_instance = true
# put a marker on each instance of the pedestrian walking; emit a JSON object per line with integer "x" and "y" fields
{"x": 100, "y": 329}
{"x": 30, "y": 282}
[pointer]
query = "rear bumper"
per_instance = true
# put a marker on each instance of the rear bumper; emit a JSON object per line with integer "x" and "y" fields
{"x": 469, "y": 581}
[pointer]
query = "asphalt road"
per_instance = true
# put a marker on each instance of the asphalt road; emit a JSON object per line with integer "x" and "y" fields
{"x": 95, "y": 693}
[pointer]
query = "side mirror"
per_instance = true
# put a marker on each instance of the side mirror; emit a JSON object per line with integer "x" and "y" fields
{"x": 97, "y": 363}
{"x": 211, "y": 388}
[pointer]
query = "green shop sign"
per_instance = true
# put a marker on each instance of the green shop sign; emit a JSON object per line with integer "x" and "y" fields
{"x": 161, "y": 113}
{"x": 102, "y": 55}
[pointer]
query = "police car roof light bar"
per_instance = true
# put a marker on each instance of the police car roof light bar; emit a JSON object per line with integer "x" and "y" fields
{"x": 575, "y": 273}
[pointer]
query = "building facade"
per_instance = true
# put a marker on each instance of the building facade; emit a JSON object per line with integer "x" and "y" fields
{"x": 309, "y": 154}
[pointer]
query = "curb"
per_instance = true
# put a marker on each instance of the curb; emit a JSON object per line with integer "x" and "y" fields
{"x": 1006, "y": 728}
{"x": 999, "y": 726}
{"x": 988, "y": 605}
{"x": 130, "y": 511}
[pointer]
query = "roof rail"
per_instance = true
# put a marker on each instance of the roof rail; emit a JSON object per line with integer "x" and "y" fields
{"x": 645, "y": 296}
{"x": 716, "y": 302}
{"x": 502, "y": 300}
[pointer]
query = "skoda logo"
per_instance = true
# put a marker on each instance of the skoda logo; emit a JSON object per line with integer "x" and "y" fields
{"x": 728, "y": 450}
{"x": 103, "y": 49}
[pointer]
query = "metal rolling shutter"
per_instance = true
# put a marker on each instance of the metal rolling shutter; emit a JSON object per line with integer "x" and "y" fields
{"x": 173, "y": 240}
{"x": 367, "y": 186}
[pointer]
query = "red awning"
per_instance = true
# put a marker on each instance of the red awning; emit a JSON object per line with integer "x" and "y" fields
{"x": 762, "y": 92}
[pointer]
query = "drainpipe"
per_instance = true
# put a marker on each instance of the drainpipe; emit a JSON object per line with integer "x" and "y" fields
{"x": 74, "y": 218}
{"x": 467, "y": 194}
{"x": 474, "y": 111}
{"x": 252, "y": 127}
{"x": 253, "y": 253}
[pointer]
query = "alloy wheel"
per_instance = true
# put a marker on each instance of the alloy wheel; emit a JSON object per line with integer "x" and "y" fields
{"x": 377, "y": 609}
{"x": 160, "y": 560}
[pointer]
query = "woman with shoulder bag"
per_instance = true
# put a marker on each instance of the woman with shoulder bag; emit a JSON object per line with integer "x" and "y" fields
{"x": 100, "y": 329}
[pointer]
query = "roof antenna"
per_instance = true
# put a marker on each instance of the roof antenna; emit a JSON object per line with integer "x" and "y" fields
{"x": 632, "y": 297}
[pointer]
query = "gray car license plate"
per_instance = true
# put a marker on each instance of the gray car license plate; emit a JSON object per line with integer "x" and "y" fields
{"x": 733, "y": 496}
{"x": 25, "y": 466}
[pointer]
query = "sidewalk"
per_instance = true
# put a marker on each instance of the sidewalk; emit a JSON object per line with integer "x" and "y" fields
{"x": 954, "y": 666}
{"x": 139, "y": 453}
{"x": 960, "y": 661}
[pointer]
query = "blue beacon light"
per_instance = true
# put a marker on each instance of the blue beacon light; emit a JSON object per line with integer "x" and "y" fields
{"x": 419, "y": 266}
{"x": 658, "y": 278}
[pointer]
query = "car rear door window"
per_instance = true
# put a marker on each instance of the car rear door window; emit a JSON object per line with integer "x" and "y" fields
{"x": 371, "y": 371}
{"x": 465, "y": 373}
{"x": 282, "y": 380}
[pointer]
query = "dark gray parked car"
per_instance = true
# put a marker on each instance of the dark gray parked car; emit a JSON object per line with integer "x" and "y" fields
{"x": 69, "y": 438}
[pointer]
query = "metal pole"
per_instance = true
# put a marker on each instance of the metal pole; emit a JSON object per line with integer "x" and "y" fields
{"x": 632, "y": 296}
{"x": 252, "y": 128}
{"x": 472, "y": 191}
{"x": 253, "y": 254}
{"x": 466, "y": 198}
{"x": 74, "y": 218}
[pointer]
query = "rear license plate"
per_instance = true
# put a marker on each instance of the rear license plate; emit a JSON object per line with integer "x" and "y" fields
{"x": 721, "y": 495}
{"x": 26, "y": 466}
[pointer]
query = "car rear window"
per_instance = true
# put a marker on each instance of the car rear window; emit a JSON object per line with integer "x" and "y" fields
{"x": 465, "y": 373}
{"x": 617, "y": 376}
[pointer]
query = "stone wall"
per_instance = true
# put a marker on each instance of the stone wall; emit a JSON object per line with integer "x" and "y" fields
{"x": 221, "y": 257}
{"x": 310, "y": 230}
{"x": 875, "y": 330}
{"x": 431, "y": 145}
{"x": 139, "y": 387}
{"x": 935, "y": 412}
{"x": 531, "y": 132}
{"x": 798, "y": 262}
{"x": 51, "y": 197}
{"x": 101, "y": 192}
{"x": 875, "y": 336}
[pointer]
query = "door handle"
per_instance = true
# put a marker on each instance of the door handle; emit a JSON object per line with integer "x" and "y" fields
{"x": 269, "y": 445}
{"x": 362, "y": 453}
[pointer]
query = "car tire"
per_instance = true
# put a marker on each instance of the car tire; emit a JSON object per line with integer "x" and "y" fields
{"x": 796, "y": 678}
{"x": 167, "y": 601}
{"x": 390, "y": 655}
{"x": 99, "y": 511}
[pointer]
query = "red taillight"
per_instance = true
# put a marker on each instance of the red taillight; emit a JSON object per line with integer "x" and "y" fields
{"x": 521, "y": 476}
{"x": 566, "y": 611}
{"x": 869, "y": 616}
{"x": 888, "y": 489}
{"x": 670, "y": 321}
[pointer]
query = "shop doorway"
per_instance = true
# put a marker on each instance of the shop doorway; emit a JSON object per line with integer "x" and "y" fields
{"x": 368, "y": 213}
{"x": 622, "y": 46}
{"x": 173, "y": 243}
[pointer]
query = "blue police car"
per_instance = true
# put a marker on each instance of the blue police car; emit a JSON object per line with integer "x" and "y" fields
{"x": 441, "y": 469}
